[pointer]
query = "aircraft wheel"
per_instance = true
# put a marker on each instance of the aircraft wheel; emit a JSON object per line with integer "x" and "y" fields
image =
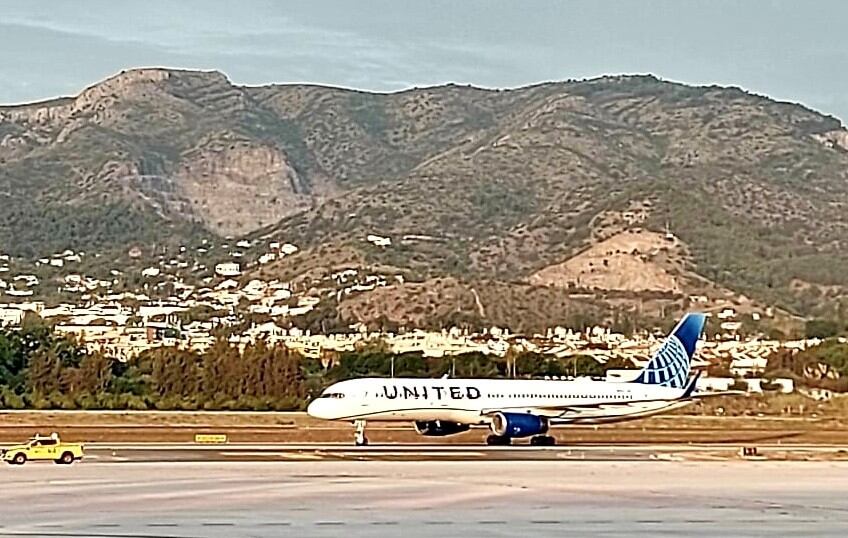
{"x": 497, "y": 440}
{"x": 542, "y": 440}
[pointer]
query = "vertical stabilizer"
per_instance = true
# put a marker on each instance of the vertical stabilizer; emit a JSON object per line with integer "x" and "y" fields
{"x": 670, "y": 365}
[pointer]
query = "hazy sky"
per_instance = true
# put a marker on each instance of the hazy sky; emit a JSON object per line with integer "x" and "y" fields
{"x": 790, "y": 50}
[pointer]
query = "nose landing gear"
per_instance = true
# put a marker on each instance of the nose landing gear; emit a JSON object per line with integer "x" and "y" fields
{"x": 359, "y": 438}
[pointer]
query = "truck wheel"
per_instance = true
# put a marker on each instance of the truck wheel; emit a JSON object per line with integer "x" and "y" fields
{"x": 67, "y": 458}
{"x": 19, "y": 459}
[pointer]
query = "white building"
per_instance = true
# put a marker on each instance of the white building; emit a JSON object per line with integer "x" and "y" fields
{"x": 288, "y": 248}
{"x": 228, "y": 269}
{"x": 747, "y": 366}
{"x": 379, "y": 240}
{"x": 11, "y": 317}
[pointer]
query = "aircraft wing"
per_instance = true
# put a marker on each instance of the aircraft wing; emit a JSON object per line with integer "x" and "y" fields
{"x": 608, "y": 411}
{"x": 703, "y": 395}
{"x": 556, "y": 411}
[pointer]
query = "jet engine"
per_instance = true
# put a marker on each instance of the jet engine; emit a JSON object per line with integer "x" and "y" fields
{"x": 439, "y": 428}
{"x": 518, "y": 424}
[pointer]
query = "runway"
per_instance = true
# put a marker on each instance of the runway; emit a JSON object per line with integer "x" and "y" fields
{"x": 260, "y": 452}
{"x": 423, "y": 499}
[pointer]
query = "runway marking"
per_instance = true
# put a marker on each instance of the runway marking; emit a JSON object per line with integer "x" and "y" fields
{"x": 269, "y": 454}
{"x": 93, "y": 535}
{"x": 311, "y": 457}
{"x": 73, "y": 482}
{"x": 408, "y": 453}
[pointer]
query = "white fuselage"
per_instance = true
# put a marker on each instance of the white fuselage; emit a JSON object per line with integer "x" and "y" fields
{"x": 473, "y": 401}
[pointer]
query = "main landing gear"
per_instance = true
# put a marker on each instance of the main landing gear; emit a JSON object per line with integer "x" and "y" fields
{"x": 359, "y": 438}
{"x": 542, "y": 440}
{"x": 536, "y": 440}
{"x": 498, "y": 440}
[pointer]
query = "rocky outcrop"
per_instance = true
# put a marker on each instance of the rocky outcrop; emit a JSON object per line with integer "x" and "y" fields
{"x": 837, "y": 138}
{"x": 124, "y": 84}
{"x": 240, "y": 186}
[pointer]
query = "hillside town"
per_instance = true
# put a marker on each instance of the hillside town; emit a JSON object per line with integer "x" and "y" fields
{"x": 125, "y": 324}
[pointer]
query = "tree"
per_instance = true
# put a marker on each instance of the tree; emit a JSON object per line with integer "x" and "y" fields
{"x": 13, "y": 361}
{"x": 43, "y": 372}
{"x": 618, "y": 363}
{"x": 95, "y": 373}
{"x": 822, "y": 328}
{"x": 583, "y": 365}
{"x": 476, "y": 364}
{"x": 174, "y": 373}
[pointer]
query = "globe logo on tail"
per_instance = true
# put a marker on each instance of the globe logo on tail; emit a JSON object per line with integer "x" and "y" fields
{"x": 670, "y": 366}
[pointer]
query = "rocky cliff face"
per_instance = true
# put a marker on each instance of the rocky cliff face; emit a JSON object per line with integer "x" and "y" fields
{"x": 181, "y": 144}
{"x": 834, "y": 139}
{"x": 237, "y": 187}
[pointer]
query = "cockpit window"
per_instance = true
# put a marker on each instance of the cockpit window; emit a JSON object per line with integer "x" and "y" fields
{"x": 336, "y": 395}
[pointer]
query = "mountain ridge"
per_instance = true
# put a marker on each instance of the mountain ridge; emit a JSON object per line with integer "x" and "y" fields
{"x": 507, "y": 182}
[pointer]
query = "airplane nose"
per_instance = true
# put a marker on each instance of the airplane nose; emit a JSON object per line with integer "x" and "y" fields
{"x": 317, "y": 409}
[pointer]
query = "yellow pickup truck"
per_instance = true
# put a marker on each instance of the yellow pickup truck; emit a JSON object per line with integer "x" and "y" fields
{"x": 43, "y": 448}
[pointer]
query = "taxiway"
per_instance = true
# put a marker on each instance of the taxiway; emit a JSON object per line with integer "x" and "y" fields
{"x": 426, "y": 498}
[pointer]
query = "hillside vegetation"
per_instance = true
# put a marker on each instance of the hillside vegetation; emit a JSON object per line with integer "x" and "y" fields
{"x": 471, "y": 185}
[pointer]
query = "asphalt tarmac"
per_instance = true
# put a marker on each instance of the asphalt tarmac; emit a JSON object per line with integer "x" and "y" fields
{"x": 613, "y": 497}
{"x": 257, "y": 452}
{"x": 116, "y": 453}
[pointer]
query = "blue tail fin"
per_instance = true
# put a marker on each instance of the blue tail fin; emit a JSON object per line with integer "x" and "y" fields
{"x": 670, "y": 365}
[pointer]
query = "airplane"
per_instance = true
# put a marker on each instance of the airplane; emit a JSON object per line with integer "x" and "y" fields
{"x": 518, "y": 408}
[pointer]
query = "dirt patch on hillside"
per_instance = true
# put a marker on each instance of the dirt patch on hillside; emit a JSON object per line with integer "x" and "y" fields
{"x": 412, "y": 304}
{"x": 633, "y": 260}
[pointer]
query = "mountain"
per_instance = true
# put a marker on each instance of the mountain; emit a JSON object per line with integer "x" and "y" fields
{"x": 752, "y": 193}
{"x": 627, "y": 188}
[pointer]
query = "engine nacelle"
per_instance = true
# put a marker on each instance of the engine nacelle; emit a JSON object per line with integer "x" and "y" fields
{"x": 518, "y": 424}
{"x": 439, "y": 428}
